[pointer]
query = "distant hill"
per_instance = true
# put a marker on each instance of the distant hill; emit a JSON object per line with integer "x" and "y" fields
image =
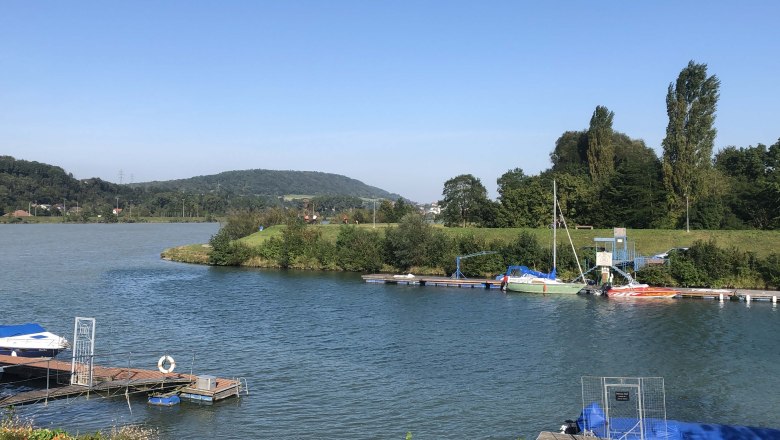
{"x": 48, "y": 190}
{"x": 273, "y": 183}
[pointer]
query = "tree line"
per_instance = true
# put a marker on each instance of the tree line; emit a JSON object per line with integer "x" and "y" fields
{"x": 606, "y": 178}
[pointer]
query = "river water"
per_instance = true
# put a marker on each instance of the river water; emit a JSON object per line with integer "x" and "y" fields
{"x": 327, "y": 356}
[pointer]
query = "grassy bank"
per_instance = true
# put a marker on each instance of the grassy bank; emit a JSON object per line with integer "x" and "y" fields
{"x": 645, "y": 241}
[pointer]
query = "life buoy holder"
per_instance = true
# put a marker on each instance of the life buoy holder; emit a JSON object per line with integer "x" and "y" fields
{"x": 166, "y": 360}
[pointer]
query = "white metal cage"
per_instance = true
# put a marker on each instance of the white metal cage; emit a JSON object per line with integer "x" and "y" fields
{"x": 83, "y": 352}
{"x": 624, "y": 408}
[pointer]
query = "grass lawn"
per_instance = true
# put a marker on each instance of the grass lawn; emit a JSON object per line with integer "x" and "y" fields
{"x": 645, "y": 241}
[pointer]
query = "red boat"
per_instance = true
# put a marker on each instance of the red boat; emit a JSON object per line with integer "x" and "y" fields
{"x": 636, "y": 290}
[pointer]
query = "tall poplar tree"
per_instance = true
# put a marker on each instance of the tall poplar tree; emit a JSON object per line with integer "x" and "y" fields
{"x": 601, "y": 152}
{"x": 690, "y": 104}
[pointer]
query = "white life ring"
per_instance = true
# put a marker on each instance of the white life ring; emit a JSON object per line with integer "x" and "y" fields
{"x": 161, "y": 364}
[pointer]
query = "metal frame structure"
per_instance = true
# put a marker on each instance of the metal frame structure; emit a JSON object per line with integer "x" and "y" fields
{"x": 81, "y": 372}
{"x": 634, "y": 407}
{"x": 458, "y": 274}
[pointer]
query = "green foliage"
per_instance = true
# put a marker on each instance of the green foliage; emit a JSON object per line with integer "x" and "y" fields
{"x": 524, "y": 250}
{"x": 656, "y": 276}
{"x": 690, "y": 134}
{"x": 241, "y": 224}
{"x": 301, "y": 247}
{"x": 274, "y": 183}
{"x": 479, "y": 265}
{"x": 226, "y": 252}
{"x": 525, "y": 201}
{"x": 358, "y": 250}
{"x": 570, "y": 155}
{"x": 601, "y": 153}
{"x": 334, "y": 203}
{"x": 408, "y": 245}
{"x": 464, "y": 200}
{"x": 23, "y": 183}
{"x": 770, "y": 271}
{"x": 634, "y": 195}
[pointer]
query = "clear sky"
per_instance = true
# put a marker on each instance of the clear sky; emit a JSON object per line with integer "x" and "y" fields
{"x": 401, "y": 95}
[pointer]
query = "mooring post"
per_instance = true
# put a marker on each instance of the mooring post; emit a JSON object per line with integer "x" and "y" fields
{"x": 46, "y": 402}
{"x": 721, "y": 297}
{"x": 747, "y": 299}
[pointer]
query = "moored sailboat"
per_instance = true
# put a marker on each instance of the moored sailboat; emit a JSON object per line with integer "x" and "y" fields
{"x": 524, "y": 280}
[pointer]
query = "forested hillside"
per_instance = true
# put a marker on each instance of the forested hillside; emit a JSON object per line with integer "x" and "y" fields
{"x": 48, "y": 190}
{"x": 273, "y": 183}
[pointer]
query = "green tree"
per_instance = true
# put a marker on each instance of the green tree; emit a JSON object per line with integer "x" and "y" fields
{"x": 687, "y": 148}
{"x": 601, "y": 153}
{"x": 407, "y": 245}
{"x": 525, "y": 201}
{"x": 241, "y": 224}
{"x": 385, "y": 213}
{"x": 358, "y": 249}
{"x": 571, "y": 153}
{"x": 464, "y": 196}
{"x": 401, "y": 208}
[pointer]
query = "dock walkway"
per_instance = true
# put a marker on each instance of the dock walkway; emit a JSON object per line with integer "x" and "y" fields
{"x": 107, "y": 381}
{"x": 416, "y": 280}
{"x": 486, "y": 283}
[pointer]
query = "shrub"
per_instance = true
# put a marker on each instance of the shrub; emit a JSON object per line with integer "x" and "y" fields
{"x": 358, "y": 249}
{"x": 770, "y": 271}
{"x": 225, "y": 252}
{"x": 407, "y": 244}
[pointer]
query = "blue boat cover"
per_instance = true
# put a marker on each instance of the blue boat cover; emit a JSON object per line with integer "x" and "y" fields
{"x": 592, "y": 419}
{"x": 6, "y": 331}
{"x": 511, "y": 270}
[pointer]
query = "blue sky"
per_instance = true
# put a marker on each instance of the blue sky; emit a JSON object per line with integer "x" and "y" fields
{"x": 401, "y": 95}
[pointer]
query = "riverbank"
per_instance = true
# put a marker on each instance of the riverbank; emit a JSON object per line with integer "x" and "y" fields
{"x": 716, "y": 259}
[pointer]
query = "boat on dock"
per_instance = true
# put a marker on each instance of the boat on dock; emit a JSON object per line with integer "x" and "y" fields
{"x": 524, "y": 280}
{"x": 638, "y": 290}
{"x": 30, "y": 340}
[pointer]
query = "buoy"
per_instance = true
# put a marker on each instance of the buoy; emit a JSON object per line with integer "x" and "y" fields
{"x": 747, "y": 298}
{"x": 161, "y": 364}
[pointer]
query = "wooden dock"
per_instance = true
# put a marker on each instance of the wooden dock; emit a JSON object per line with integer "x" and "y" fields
{"x": 485, "y": 283}
{"x": 107, "y": 381}
{"x": 414, "y": 280}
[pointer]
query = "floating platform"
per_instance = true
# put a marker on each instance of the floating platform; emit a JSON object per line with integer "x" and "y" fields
{"x": 546, "y": 435}
{"x": 414, "y": 280}
{"x": 107, "y": 382}
{"x": 746, "y": 295}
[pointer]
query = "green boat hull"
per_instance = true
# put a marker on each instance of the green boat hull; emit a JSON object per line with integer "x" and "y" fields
{"x": 569, "y": 288}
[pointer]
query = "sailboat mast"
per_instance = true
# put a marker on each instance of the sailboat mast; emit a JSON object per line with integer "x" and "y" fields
{"x": 555, "y": 238}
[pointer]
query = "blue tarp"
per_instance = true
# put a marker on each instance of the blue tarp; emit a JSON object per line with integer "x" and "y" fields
{"x": 512, "y": 271}
{"x": 6, "y": 331}
{"x": 592, "y": 419}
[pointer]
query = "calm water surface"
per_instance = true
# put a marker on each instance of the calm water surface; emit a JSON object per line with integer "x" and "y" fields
{"x": 327, "y": 356}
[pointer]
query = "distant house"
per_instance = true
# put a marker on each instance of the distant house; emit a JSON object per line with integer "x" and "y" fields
{"x": 19, "y": 213}
{"x": 116, "y": 211}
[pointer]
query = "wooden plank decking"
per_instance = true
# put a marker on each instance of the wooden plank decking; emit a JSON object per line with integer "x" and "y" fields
{"x": 107, "y": 381}
{"x": 417, "y": 280}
